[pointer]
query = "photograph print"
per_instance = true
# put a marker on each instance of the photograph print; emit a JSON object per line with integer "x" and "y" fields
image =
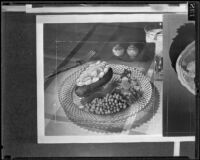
{"x": 99, "y": 76}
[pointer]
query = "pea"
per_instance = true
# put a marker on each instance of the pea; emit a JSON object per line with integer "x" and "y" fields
{"x": 93, "y": 106}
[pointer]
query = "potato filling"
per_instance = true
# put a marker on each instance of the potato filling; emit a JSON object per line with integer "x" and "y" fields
{"x": 92, "y": 73}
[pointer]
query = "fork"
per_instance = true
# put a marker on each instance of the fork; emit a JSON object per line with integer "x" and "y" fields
{"x": 88, "y": 57}
{"x": 90, "y": 54}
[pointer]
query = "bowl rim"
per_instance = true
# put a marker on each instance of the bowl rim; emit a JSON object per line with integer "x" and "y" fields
{"x": 179, "y": 70}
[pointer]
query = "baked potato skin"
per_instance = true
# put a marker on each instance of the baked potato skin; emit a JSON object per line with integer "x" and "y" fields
{"x": 83, "y": 91}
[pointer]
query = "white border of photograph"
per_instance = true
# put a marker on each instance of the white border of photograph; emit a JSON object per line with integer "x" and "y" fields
{"x": 92, "y": 18}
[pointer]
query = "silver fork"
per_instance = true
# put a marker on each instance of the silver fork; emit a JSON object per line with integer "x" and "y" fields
{"x": 89, "y": 55}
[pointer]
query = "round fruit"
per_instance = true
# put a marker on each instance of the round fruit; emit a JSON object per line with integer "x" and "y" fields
{"x": 132, "y": 51}
{"x": 118, "y": 50}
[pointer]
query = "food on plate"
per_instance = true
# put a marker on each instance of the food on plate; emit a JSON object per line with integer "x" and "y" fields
{"x": 132, "y": 51}
{"x": 109, "y": 104}
{"x": 94, "y": 76}
{"x": 185, "y": 67}
{"x": 118, "y": 50}
{"x": 129, "y": 87}
{"x": 191, "y": 69}
{"x": 188, "y": 75}
{"x": 79, "y": 114}
{"x": 125, "y": 92}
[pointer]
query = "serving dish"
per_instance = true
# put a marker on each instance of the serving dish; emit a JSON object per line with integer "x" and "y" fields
{"x": 68, "y": 99}
{"x": 185, "y": 67}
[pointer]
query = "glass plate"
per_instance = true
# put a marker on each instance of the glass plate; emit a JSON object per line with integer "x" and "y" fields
{"x": 72, "y": 111}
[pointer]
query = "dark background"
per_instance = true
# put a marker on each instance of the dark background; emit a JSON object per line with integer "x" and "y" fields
{"x": 19, "y": 103}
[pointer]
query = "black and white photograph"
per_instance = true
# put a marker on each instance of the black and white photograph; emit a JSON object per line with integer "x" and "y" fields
{"x": 99, "y": 80}
{"x": 102, "y": 78}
